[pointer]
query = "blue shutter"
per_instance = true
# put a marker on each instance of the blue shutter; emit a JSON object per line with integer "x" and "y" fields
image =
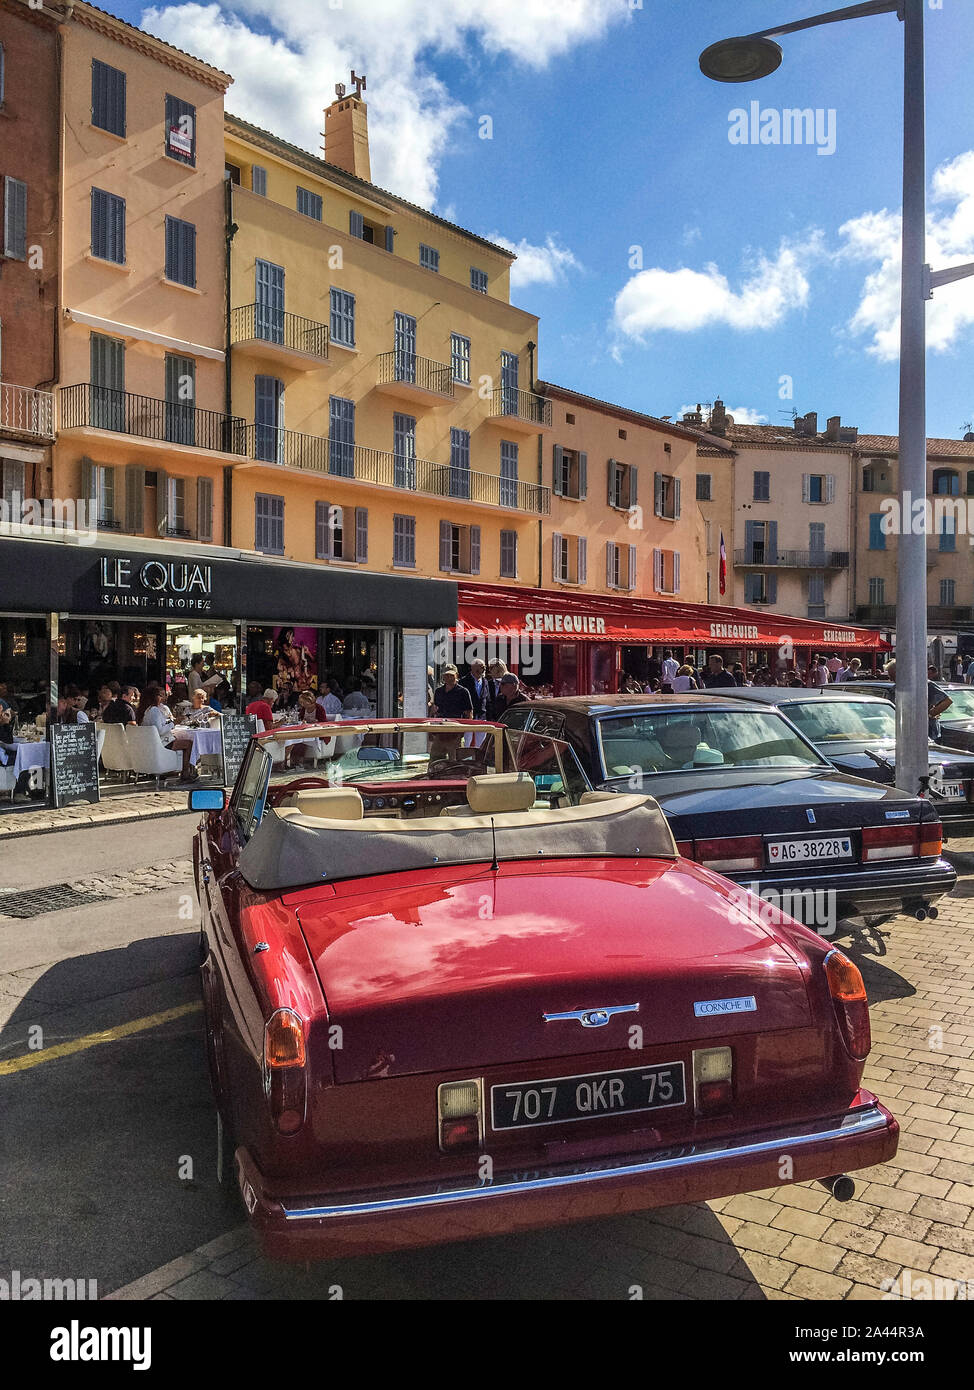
{"x": 15, "y": 218}
{"x": 556, "y": 473}
{"x": 322, "y": 531}
{"x": 748, "y": 547}
{"x": 446, "y": 546}
{"x": 582, "y": 553}
{"x": 258, "y": 180}
{"x": 771, "y": 549}
{"x": 268, "y": 413}
{"x": 610, "y": 564}
{"x": 459, "y": 463}
{"x": 475, "y": 550}
{"x": 390, "y": 238}
{"x": 270, "y": 301}
{"x": 633, "y": 485}
{"x": 107, "y": 97}
{"x": 361, "y": 534}
{"x": 356, "y": 225}
{"x": 508, "y": 478}
{"x": 341, "y": 437}
{"x": 611, "y": 483}
{"x": 877, "y": 537}
{"x": 404, "y": 451}
{"x": 631, "y": 577}
{"x": 772, "y": 588}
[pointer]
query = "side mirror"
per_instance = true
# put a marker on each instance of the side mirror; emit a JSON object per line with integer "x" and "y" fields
{"x": 207, "y": 799}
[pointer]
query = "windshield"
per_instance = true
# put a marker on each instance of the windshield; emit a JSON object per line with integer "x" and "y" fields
{"x": 961, "y": 705}
{"x": 831, "y": 720}
{"x": 658, "y": 742}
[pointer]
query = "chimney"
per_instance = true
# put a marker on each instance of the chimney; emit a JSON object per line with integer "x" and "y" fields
{"x": 807, "y": 424}
{"x": 347, "y": 131}
{"x": 718, "y": 418}
{"x": 837, "y": 433}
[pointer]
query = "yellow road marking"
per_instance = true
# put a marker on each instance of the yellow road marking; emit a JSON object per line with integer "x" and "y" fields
{"x": 124, "y": 1030}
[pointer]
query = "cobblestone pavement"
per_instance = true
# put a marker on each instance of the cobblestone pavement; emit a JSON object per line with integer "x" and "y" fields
{"x": 911, "y": 1219}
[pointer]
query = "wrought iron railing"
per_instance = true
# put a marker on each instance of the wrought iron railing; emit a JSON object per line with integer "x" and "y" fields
{"x": 945, "y": 614}
{"x": 25, "y": 410}
{"x": 795, "y": 559}
{"x": 510, "y": 402}
{"x": 265, "y": 324}
{"x": 147, "y": 417}
{"x": 409, "y": 370}
{"x": 876, "y": 612}
{"x": 337, "y": 459}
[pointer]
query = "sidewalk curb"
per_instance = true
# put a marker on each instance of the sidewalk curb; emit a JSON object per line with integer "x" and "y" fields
{"x": 123, "y": 818}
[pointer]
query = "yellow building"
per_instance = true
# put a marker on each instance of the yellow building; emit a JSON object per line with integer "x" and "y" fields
{"x": 387, "y": 377}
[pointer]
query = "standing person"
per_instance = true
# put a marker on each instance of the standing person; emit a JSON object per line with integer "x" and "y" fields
{"x": 969, "y": 673}
{"x": 957, "y": 667}
{"x": 738, "y": 674}
{"x": 684, "y": 680}
{"x": 451, "y": 700}
{"x": 670, "y": 667}
{"x": 477, "y": 686}
{"x": 834, "y": 664}
{"x": 937, "y": 698}
{"x": 715, "y": 676}
{"x": 654, "y": 670}
{"x": 509, "y": 693}
{"x": 854, "y": 670}
{"x": 496, "y": 672}
{"x": 818, "y": 673}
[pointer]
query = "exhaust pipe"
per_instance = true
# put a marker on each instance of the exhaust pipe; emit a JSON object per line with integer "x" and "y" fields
{"x": 842, "y": 1188}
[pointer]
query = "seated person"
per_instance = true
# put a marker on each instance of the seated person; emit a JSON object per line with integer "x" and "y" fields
{"x": 199, "y": 715}
{"x": 295, "y": 754}
{"x": 258, "y": 705}
{"x": 682, "y": 746}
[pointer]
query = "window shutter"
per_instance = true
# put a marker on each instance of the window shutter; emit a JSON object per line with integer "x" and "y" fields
{"x": 749, "y": 542}
{"x": 258, "y": 180}
{"x": 582, "y": 560}
{"x": 356, "y": 225}
{"x": 361, "y": 534}
{"x": 676, "y": 499}
{"x": 658, "y": 569}
{"x": 631, "y": 577}
{"x": 475, "y": 550}
{"x": 557, "y": 455}
{"x": 830, "y": 487}
{"x": 390, "y": 238}
{"x": 633, "y": 480}
{"x": 135, "y": 499}
{"x": 805, "y": 487}
{"x": 15, "y": 219}
{"x": 609, "y": 548}
{"x": 658, "y": 494}
{"x": 204, "y": 509}
{"x": 676, "y": 569}
{"x": 446, "y": 545}
{"x": 582, "y": 475}
{"x": 556, "y": 556}
{"x": 162, "y": 500}
{"x": 322, "y": 531}
{"x": 611, "y": 492}
{"x": 771, "y": 549}
{"x": 772, "y": 588}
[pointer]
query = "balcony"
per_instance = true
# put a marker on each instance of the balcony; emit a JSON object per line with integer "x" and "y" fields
{"x": 796, "y": 560}
{"x": 87, "y": 407}
{"x": 332, "y": 458}
{"x": 301, "y": 344}
{"x": 415, "y": 379}
{"x": 884, "y": 613}
{"x": 26, "y": 412}
{"x": 522, "y": 411}
{"x": 947, "y": 615}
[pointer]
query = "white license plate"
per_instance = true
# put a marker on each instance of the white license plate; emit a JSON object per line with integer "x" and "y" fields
{"x": 807, "y": 851}
{"x": 952, "y": 791}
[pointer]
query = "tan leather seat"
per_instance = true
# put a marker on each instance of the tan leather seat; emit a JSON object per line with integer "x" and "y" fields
{"x": 329, "y": 803}
{"x": 495, "y": 793}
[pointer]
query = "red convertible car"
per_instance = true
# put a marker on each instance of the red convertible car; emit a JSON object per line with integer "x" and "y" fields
{"x": 450, "y": 991}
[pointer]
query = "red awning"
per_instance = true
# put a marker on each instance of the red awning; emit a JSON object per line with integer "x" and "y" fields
{"x": 510, "y": 615}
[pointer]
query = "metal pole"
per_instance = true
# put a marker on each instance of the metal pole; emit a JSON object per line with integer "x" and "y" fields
{"x": 911, "y": 589}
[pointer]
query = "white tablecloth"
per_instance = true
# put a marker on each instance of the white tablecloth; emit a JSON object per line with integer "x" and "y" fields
{"x": 204, "y": 741}
{"x": 31, "y": 755}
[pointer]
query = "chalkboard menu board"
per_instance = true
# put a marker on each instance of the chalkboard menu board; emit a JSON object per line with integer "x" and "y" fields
{"x": 74, "y": 763}
{"x": 237, "y": 730}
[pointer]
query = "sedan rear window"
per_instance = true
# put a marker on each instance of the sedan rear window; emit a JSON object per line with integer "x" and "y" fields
{"x": 687, "y": 741}
{"x": 822, "y": 720}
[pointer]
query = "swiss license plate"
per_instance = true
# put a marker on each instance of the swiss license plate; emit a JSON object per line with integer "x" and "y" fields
{"x": 809, "y": 851}
{"x": 557, "y": 1099}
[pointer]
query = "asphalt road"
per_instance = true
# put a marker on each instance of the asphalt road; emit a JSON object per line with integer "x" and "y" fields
{"x": 106, "y": 1154}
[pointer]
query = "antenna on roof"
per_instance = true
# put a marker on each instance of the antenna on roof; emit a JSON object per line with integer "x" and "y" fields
{"x": 493, "y": 842}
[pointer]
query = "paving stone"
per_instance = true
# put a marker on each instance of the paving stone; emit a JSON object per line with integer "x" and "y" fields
{"x": 161, "y": 1278}
{"x": 801, "y": 1223}
{"x": 909, "y": 1253}
{"x": 946, "y": 1213}
{"x": 853, "y": 1237}
{"x": 924, "y": 1184}
{"x": 954, "y": 1266}
{"x": 867, "y": 1269}
{"x": 750, "y": 1236}
{"x": 768, "y": 1270}
{"x": 230, "y": 1240}
{"x": 898, "y": 1223}
{"x": 752, "y": 1209}
{"x": 202, "y": 1285}
{"x": 898, "y": 1199}
{"x": 712, "y": 1286}
{"x": 814, "y": 1253}
{"x": 815, "y": 1283}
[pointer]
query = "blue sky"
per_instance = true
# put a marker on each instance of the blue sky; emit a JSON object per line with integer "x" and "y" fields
{"x": 754, "y": 262}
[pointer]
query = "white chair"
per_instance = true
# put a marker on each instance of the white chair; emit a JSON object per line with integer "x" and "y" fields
{"x": 150, "y": 756}
{"x": 8, "y": 780}
{"x": 115, "y": 756}
{"x": 100, "y": 732}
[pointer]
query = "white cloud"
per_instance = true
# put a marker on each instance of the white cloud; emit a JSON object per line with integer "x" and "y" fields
{"x": 537, "y": 265}
{"x": 743, "y": 414}
{"x": 284, "y": 80}
{"x": 875, "y": 237}
{"x": 685, "y": 300}
{"x": 691, "y": 234}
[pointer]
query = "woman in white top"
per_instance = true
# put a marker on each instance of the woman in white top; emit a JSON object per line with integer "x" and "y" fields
{"x": 683, "y": 681}
{"x": 154, "y": 711}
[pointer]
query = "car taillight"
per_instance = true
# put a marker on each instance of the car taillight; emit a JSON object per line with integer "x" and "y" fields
{"x": 849, "y": 1002}
{"x": 890, "y": 842}
{"x": 931, "y": 839}
{"x": 713, "y": 1069}
{"x": 459, "y": 1114}
{"x": 730, "y": 853}
{"x": 285, "y": 1079}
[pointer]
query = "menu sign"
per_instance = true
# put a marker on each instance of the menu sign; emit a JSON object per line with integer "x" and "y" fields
{"x": 74, "y": 763}
{"x": 237, "y": 730}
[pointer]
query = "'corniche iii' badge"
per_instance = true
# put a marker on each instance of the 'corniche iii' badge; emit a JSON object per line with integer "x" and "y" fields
{"x": 744, "y": 1004}
{"x": 592, "y": 1018}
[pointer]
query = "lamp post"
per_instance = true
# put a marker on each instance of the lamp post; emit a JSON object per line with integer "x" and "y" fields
{"x": 754, "y": 56}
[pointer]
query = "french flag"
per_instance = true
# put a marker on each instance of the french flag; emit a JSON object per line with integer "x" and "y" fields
{"x": 722, "y": 573}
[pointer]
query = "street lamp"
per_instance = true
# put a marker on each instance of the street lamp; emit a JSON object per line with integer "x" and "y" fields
{"x": 752, "y": 56}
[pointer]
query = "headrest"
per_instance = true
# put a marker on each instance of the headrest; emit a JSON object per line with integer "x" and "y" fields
{"x": 494, "y": 793}
{"x": 330, "y": 803}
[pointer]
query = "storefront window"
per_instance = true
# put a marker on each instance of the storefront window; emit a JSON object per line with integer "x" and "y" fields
{"x": 567, "y": 679}
{"x": 602, "y": 668}
{"x": 25, "y": 664}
